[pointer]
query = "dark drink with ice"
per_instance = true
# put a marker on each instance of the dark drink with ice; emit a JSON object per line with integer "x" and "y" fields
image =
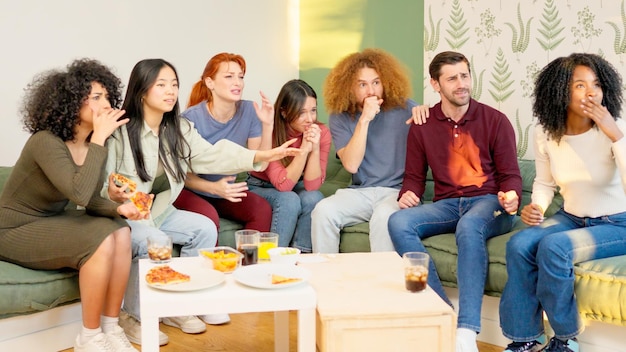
{"x": 416, "y": 278}
{"x": 250, "y": 253}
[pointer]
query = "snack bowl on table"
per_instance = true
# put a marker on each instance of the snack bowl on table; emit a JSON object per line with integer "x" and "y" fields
{"x": 284, "y": 255}
{"x": 224, "y": 259}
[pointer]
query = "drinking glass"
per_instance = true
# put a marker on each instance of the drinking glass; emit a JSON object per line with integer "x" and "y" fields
{"x": 159, "y": 248}
{"x": 267, "y": 240}
{"x": 247, "y": 243}
{"x": 416, "y": 270}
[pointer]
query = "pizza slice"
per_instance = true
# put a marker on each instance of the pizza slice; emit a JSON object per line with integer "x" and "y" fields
{"x": 279, "y": 279}
{"x": 165, "y": 275}
{"x": 121, "y": 180}
{"x": 143, "y": 201}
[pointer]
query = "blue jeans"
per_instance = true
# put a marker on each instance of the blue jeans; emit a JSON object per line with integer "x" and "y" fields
{"x": 291, "y": 212}
{"x": 540, "y": 265}
{"x": 473, "y": 220}
{"x": 189, "y": 230}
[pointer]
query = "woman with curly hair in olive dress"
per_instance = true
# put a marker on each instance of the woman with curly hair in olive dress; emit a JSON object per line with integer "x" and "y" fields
{"x": 70, "y": 114}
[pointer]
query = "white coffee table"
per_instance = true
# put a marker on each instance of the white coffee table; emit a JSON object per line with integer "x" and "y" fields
{"x": 228, "y": 297}
{"x": 362, "y": 305}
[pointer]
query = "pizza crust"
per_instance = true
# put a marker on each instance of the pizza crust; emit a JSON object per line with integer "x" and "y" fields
{"x": 121, "y": 180}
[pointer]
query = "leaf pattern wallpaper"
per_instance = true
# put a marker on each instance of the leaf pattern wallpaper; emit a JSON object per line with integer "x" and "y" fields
{"x": 508, "y": 43}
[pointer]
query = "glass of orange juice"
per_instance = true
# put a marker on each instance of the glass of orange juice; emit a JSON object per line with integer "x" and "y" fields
{"x": 267, "y": 240}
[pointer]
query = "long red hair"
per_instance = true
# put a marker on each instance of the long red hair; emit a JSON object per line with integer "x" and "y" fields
{"x": 199, "y": 91}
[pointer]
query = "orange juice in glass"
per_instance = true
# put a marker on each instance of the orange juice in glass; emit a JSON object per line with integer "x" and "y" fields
{"x": 267, "y": 240}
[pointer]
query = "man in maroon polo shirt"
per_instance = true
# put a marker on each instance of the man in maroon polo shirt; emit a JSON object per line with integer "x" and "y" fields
{"x": 470, "y": 148}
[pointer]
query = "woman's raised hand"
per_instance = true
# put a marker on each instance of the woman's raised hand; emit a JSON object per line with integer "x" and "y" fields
{"x": 277, "y": 153}
{"x": 311, "y": 138}
{"x": 266, "y": 111}
{"x": 602, "y": 117}
{"x": 105, "y": 122}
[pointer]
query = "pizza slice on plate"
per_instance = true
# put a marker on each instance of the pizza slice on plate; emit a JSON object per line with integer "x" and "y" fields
{"x": 165, "y": 275}
{"x": 279, "y": 279}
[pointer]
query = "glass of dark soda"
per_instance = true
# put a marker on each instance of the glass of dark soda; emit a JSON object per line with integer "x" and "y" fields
{"x": 247, "y": 243}
{"x": 416, "y": 271}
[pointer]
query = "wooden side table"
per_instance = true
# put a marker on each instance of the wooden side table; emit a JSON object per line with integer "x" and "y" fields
{"x": 362, "y": 305}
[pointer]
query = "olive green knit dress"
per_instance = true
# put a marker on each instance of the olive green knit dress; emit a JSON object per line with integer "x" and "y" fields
{"x": 36, "y": 229}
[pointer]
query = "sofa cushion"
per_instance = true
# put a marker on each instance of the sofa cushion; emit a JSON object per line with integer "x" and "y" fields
{"x": 26, "y": 291}
{"x": 444, "y": 252}
{"x": 601, "y": 289}
{"x": 355, "y": 238}
{"x": 226, "y": 236}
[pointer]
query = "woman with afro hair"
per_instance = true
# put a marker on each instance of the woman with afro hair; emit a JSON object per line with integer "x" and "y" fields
{"x": 70, "y": 115}
{"x": 580, "y": 149}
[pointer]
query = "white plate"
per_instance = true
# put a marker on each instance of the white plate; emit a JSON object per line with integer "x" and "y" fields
{"x": 260, "y": 275}
{"x": 201, "y": 278}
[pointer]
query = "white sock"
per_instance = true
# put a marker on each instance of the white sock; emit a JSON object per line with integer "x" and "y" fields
{"x": 466, "y": 340}
{"x": 108, "y": 323}
{"x": 87, "y": 334}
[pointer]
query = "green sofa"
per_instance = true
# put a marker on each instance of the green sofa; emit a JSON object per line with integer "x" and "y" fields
{"x": 600, "y": 284}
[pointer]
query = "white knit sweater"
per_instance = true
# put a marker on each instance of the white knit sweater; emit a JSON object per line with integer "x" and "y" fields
{"x": 589, "y": 169}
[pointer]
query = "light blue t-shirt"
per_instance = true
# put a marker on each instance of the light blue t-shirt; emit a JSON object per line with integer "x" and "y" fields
{"x": 244, "y": 125}
{"x": 385, "y": 153}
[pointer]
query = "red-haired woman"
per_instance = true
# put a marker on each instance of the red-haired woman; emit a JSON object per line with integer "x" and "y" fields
{"x": 218, "y": 112}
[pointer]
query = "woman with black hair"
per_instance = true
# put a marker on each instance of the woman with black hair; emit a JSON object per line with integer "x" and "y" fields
{"x": 156, "y": 149}
{"x": 291, "y": 185}
{"x": 579, "y": 148}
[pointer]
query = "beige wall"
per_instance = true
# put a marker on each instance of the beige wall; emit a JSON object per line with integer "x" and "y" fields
{"x": 507, "y": 42}
{"x": 37, "y": 35}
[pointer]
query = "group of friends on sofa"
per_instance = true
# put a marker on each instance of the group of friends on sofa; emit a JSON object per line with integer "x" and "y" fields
{"x": 83, "y": 132}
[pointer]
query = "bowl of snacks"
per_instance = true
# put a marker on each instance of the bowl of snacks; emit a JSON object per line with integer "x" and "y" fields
{"x": 224, "y": 259}
{"x": 284, "y": 255}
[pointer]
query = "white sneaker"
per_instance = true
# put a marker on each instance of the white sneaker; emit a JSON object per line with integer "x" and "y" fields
{"x": 98, "y": 343}
{"x": 189, "y": 324}
{"x": 215, "y": 319}
{"x": 466, "y": 340}
{"x": 132, "y": 329}
{"x": 117, "y": 339}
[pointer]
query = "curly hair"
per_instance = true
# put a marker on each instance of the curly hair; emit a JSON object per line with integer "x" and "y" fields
{"x": 53, "y": 99}
{"x": 339, "y": 85}
{"x": 552, "y": 93}
{"x": 199, "y": 91}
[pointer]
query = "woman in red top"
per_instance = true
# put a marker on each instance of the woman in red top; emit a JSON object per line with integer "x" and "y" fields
{"x": 291, "y": 185}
